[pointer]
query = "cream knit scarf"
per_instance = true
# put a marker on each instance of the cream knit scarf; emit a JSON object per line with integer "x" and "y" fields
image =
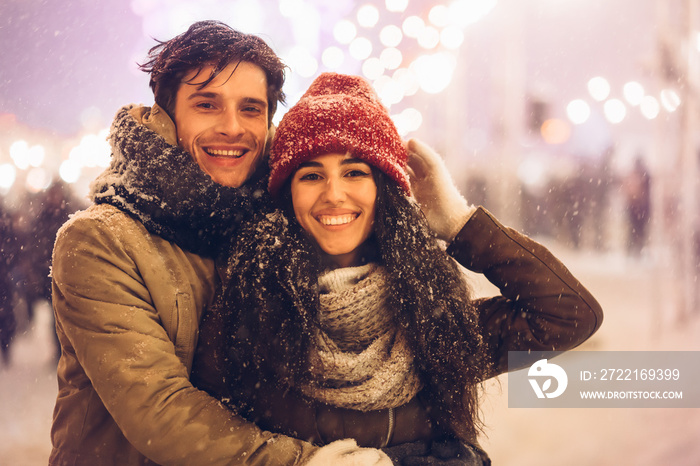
{"x": 359, "y": 358}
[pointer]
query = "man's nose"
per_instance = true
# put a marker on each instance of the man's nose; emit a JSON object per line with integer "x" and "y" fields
{"x": 229, "y": 123}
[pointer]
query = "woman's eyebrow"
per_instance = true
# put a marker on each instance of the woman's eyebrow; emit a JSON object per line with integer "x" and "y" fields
{"x": 309, "y": 164}
{"x": 353, "y": 160}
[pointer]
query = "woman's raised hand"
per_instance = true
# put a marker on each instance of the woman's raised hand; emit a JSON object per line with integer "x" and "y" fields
{"x": 445, "y": 208}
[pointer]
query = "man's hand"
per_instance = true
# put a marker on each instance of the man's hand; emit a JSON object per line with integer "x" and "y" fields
{"x": 440, "y": 200}
{"x": 347, "y": 453}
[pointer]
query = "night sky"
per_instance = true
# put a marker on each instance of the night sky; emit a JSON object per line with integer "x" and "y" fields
{"x": 62, "y": 61}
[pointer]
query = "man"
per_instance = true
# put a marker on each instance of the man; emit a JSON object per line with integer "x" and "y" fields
{"x": 133, "y": 273}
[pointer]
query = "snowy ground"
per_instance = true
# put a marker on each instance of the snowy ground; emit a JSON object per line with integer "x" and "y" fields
{"x": 634, "y": 296}
{"x": 27, "y": 395}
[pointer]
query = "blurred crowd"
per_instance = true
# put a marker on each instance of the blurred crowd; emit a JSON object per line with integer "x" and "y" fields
{"x": 579, "y": 207}
{"x": 27, "y": 237}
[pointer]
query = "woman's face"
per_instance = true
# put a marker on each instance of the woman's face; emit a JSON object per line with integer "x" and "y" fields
{"x": 334, "y": 197}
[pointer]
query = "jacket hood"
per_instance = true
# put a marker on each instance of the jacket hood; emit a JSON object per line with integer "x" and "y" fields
{"x": 162, "y": 186}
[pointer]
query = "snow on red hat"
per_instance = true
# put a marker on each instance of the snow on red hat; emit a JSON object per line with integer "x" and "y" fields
{"x": 338, "y": 114}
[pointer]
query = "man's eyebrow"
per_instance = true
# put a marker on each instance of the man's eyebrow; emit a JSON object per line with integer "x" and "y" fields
{"x": 253, "y": 100}
{"x": 204, "y": 94}
{"x": 215, "y": 95}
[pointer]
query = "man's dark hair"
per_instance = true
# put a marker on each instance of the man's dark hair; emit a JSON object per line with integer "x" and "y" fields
{"x": 210, "y": 43}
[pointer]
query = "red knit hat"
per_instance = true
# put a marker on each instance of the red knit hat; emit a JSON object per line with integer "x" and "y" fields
{"x": 338, "y": 114}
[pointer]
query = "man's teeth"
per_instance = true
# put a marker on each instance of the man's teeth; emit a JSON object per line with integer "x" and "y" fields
{"x": 337, "y": 220}
{"x": 225, "y": 153}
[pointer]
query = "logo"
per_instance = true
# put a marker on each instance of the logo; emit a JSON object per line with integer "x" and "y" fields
{"x": 542, "y": 369}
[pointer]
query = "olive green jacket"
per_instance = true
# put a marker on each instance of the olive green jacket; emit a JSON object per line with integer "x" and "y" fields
{"x": 128, "y": 304}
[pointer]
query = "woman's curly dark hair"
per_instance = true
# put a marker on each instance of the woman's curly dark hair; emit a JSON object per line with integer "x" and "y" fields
{"x": 272, "y": 302}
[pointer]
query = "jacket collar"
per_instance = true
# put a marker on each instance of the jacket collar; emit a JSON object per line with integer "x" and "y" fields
{"x": 160, "y": 184}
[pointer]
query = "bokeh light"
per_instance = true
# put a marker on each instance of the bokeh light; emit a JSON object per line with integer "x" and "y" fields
{"x": 614, "y": 110}
{"x": 333, "y": 58}
{"x": 429, "y": 38}
{"x": 92, "y": 151}
{"x": 633, "y": 92}
{"x": 650, "y": 107}
{"x": 390, "y": 36}
{"x": 439, "y": 15}
{"x": 413, "y": 26}
{"x": 599, "y": 88}
{"x": 451, "y": 37}
{"x": 555, "y": 131}
{"x": 670, "y": 100}
{"x": 360, "y": 48}
{"x": 578, "y": 111}
{"x": 466, "y": 12}
{"x": 408, "y": 81}
{"x": 532, "y": 173}
{"x": 367, "y": 16}
{"x": 69, "y": 171}
{"x": 36, "y": 155}
{"x": 8, "y": 174}
{"x": 396, "y": 6}
{"x": 391, "y": 58}
{"x": 434, "y": 72}
{"x": 38, "y": 179}
{"x": 372, "y": 68}
{"x": 408, "y": 121}
{"x": 301, "y": 61}
{"x": 390, "y": 92}
{"x": 344, "y": 31}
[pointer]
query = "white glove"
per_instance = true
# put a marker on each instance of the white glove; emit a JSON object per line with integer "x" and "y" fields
{"x": 347, "y": 453}
{"x": 440, "y": 200}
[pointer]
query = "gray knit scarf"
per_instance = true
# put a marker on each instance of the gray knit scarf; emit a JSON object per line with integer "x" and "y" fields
{"x": 359, "y": 358}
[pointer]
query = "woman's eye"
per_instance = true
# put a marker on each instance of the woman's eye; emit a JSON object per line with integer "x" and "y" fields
{"x": 310, "y": 177}
{"x": 357, "y": 172}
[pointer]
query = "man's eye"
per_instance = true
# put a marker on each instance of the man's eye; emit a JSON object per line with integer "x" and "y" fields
{"x": 205, "y": 105}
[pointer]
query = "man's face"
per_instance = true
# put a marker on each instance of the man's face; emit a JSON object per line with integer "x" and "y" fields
{"x": 224, "y": 124}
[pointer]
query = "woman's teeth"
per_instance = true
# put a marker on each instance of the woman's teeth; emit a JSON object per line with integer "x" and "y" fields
{"x": 337, "y": 220}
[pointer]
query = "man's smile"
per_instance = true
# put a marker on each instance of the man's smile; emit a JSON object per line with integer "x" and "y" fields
{"x": 225, "y": 153}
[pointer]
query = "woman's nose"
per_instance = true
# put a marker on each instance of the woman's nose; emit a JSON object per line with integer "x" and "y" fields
{"x": 334, "y": 191}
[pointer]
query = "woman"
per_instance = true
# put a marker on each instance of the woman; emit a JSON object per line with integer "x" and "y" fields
{"x": 344, "y": 297}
